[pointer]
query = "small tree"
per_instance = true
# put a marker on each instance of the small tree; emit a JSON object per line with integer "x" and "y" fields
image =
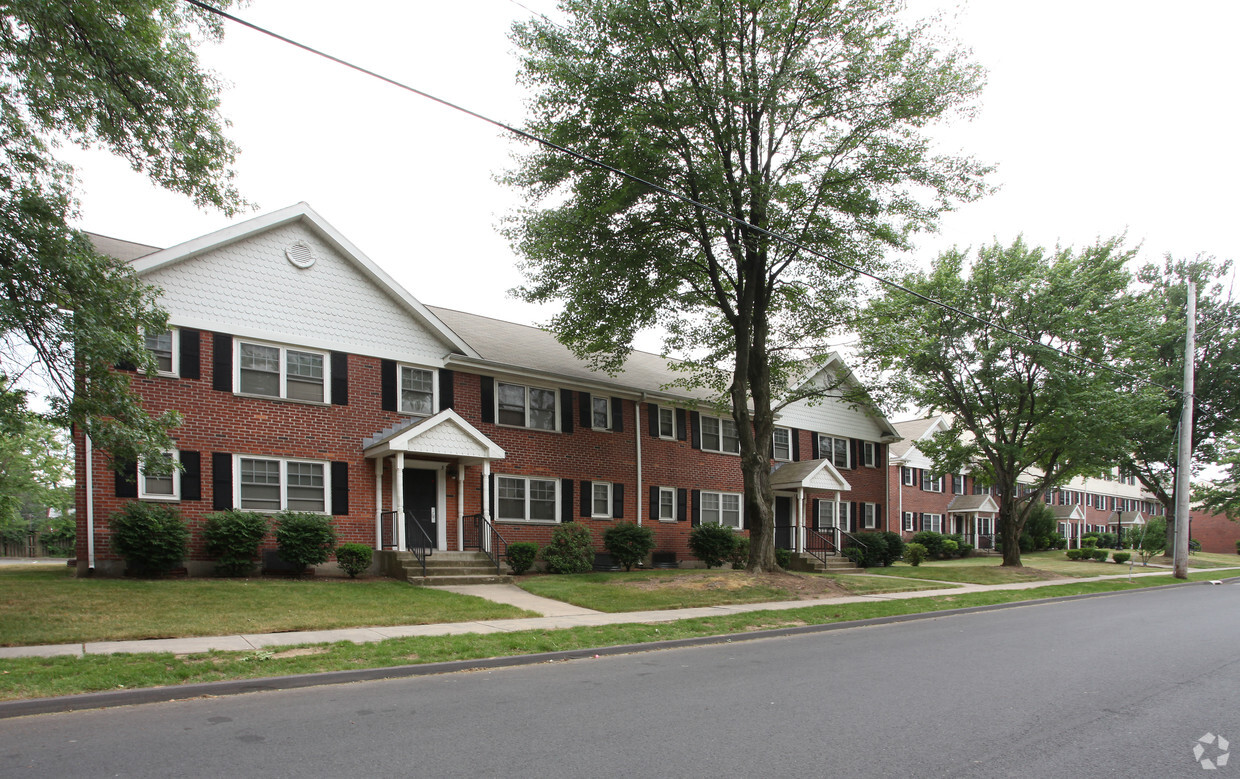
{"x": 571, "y": 549}
{"x": 232, "y": 538}
{"x": 1149, "y": 539}
{"x": 304, "y": 539}
{"x": 712, "y": 543}
{"x": 151, "y": 537}
{"x": 628, "y": 543}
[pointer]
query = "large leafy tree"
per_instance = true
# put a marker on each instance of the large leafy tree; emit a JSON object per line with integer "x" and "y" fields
{"x": 799, "y": 117}
{"x": 120, "y": 75}
{"x": 1019, "y": 409}
{"x": 35, "y": 474}
{"x": 1153, "y": 453}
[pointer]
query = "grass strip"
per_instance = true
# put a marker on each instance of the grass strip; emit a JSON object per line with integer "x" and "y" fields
{"x": 44, "y": 677}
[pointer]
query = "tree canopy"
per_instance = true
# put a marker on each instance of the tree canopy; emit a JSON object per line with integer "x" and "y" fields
{"x": 1019, "y": 409}
{"x": 120, "y": 75}
{"x": 799, "y": 117}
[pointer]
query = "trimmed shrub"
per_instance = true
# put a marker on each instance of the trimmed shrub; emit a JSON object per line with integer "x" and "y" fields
{"x": 232, "y": 538}
{"x": 571, "y": 549}
{"x": 932, "y": 541}
{"x": 304, "y": 539}
{"x": 1121, "y": 557}
{"x": 965, "y": 550}
{"x": 783, "y": 558}
{"x": 1075, "y": 554}
{"x": 151, "y": 537}
{"x": 869, "y": 551}
{"x": 1108, "y": 540}
{"x": 949, "y": 548}
{"x": 895, "y": 547}
{"x": 628, "y": 543}
{"x": 1238, "y": 547}
{"x": 1090, "y": 540}
{"x": 740, "y": 553}
{"x": 1056, "y": 541}
{"x": 914, "y": 553}
{"x": 712, "y": 544}
{"x": 354, "y": 558}
{"x": 1100, "y": 555}
{"x": 521, "y": 556}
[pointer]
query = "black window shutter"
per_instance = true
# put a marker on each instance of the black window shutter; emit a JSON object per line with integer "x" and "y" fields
{"x": 682, "y": 511}
{"x": 921, "y": 521}
{"x": 855, "y": 445}
{"x": 617, "y": 415}
{"x": 921, "y": 482}
{"x": 654, "y": 502}
{"x": 587, "y": 494}
{"x": 682, "y": 428}
{"x": 566, "y": 411}
{"x": 221, "y": 362}
{"x": 587, "y": 419}
{"x": 340, "y": 379}
{"x": 652, "y": 411}
{"x": 878, "y": 512}
{"x": 494, "y": 501}
{"x": 387, "y": 385}
{"x": 695, "y": 435}
{"x": 221, "y": 481}
{"x": 813, "y": 439}
{"x": 617, "y": 501}
{"x": 447, "y": 395}
{"x": 191, "y": 475}
{"x": 796, "y": 444}
{"x": 488, "y": 398}
{"x": 696, "y": 508}
{"x": 852, "y": 518}
{"x": 566, "y": 500}
{"x": 817, "y": 515}
{"x": 340, "y": 488}
{"x": 190, "y": 353}
{"x": 127, "y": 481}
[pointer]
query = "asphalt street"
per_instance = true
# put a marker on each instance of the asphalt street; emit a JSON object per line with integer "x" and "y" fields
{"x": 1125, "y": 685}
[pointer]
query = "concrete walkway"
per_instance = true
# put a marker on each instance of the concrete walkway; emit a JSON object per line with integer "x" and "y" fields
{"x": 555, "y": 615}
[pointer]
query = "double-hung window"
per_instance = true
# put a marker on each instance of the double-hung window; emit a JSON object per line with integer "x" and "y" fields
{"x": 781, "y": 443}
{"x": 417, "y": 390}
{"x": 931, "y": 483}
{"x": 869, "y": 515}
{"x": 834, "y": 449}
{"x": 908, "y": 525}
{"x": 600, "y": 499}
{"x": 869, "y": 454}
{"x": 910, "y": 476}
{"x": 521, "y": 406}
{"x": 282, "y": 372}
{"x": 721, "y": 508}
{"x": 524, "y": 499}
{"x": 667, "y": 504}
{"x": 600, "y": 412}
{"x": 826, "y": 514}
{"x": 279, "y": 484}
{"x": 719, "y": 435}
{"x": 667, "y": 422}
{"x": 933, "y": 522}
{"x": 163, "y": 347}
{"x": 957, "y": 484}
{"x": 162, "y": 483}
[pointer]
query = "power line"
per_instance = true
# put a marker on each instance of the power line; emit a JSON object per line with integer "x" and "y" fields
{"x": 792, "y": 242}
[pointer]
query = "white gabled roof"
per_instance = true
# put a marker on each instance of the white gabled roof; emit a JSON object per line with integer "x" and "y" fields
{"x": 968, "y": 504}
{"x": 1073, "y": 512}
{"x": 446, "y": 434}
{"x": 303, "y": 213}
{"x": 810, "y": 474}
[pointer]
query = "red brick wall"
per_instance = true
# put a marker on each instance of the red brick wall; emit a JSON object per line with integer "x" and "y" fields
{"x": 1216, "y": 532}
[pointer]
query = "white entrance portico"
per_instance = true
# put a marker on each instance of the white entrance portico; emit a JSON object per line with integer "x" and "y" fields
{"x": 801, "y": 477}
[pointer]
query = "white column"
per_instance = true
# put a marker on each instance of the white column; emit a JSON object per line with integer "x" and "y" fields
{"x": 486, "y": 500}
{"x": 378, "y": 503}
{"x": 800, "y": 520}
{"x": 460, "y": 507}
{"x": 400, "y": 500}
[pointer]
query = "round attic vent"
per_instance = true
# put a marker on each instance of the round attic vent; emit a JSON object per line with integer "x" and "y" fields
{"x": 300, "y": 254}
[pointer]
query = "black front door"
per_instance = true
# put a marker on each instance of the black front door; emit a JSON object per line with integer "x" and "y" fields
{"x": 420, "y": 494}
{"x": 783, "y": 522}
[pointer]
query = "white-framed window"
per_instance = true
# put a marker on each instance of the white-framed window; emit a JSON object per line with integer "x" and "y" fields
{"x": 600, "y": 499}
{"x": 869, "y": 454}
{"x": 164, "y": 348}
{"x": 907, "y": 522}
{"x": 930, "y": 482}
{"x": 826, "y": 514}
{"x": 834, "y": 449}
{"x": 781, "y": 443}
{"x": 869, "y": 515}
{"x": 986, "y": 526}
{"x": 908, "y": 476}
{"x": 721, "y": 508}
{"x": 957, "y": 484}
{"x": 283, "y": 372}
{"x": 667, "y": 422}
{"x": 600, "y": 412}
{"x": 719, "y": 435}
{"x": 417, "y": 391}
{"x": 932, "y": 522}
{"x": 667, "y": 504}
{"x": 520, "y": 406}
{"x": 527, "y": 499}
{"x": 272, "y": 484}
{"x": 161, "y": 486}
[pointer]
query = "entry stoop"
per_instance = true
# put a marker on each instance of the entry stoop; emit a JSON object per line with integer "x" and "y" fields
{"x": 452, "y": 568}
{"x": 809, "y": 564}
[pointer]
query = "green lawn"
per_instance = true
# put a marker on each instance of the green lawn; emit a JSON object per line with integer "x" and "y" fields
{"x": 46, "y": 604}
{"x": 944, "y": 571}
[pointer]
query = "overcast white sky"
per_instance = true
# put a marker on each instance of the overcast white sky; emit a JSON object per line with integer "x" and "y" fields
{"x": 1103, "y": 116}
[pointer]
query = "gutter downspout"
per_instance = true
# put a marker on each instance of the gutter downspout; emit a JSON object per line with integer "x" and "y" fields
{"x": 637, "y": 436}
{"x": 90, "y": 506}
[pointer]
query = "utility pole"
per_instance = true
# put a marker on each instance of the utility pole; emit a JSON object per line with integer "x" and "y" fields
{"x": 1184, "y": 467}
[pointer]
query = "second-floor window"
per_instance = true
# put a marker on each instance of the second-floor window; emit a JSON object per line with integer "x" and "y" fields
{"x": 719, "y": 435}
{"x": 834, "y": 449}
{"x": 931, "y": 483}
{"x": 667, "y": 422}
{"x": 957, "y": 484}
{"x": 781, "y": 444}
{"x": 417, "y": 390}
{"x": 600, "y": 412}
{"x": 163, "y": 347}
{"x": 281, "y": 372}
{"x": 521, "y": 406}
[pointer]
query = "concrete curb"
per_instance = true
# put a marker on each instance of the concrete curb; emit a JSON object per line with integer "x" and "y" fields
{"x": 99, "y": 700}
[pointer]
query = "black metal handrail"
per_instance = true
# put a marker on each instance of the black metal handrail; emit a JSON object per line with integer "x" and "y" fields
{"x": 388, "y": 531}
{"x": 480, "y": 534}
{"x": 420, "y": 551}
{"x": 820, "y": 546}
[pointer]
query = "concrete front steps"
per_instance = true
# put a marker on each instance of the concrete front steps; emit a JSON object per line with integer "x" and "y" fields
{"x": 451, "y": 568}
{"x": 810, "y": 564}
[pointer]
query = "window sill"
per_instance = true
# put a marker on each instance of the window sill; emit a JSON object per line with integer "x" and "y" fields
{"x": 161, "y": 498}
{"x": 278, "y": 399}
{"x": 547, "y": 522}
{"x": 522, "y": 427}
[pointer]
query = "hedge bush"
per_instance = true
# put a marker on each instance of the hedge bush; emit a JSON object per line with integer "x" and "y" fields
{"x": 931, "y": 541}
{"x": 354, "y": 558}
{"x": 895, "y": 547}
{"x": 740, "y": 553}
{"x": 1121, "y": 557}
{"x": 1075, "y": 554}
{"x": 628, "y": 543}
{"x": 304, "y": 539}
{"x": 1100, "y": 555}
{"x": 232, "y": 538}
{"x": 152, "y": 538}
{"x": 712, "y": 544}
{"x": 571, "y": 549}
{"x": 521, "y": 556}
{"x": 914, "y": 553}
{"x": 783, "y": 558}
{"x": 871, "y": 550}
{"x": 950, "y": 548}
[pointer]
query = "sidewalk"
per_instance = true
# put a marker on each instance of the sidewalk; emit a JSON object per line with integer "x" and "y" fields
{"x": 555, "y": 615}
